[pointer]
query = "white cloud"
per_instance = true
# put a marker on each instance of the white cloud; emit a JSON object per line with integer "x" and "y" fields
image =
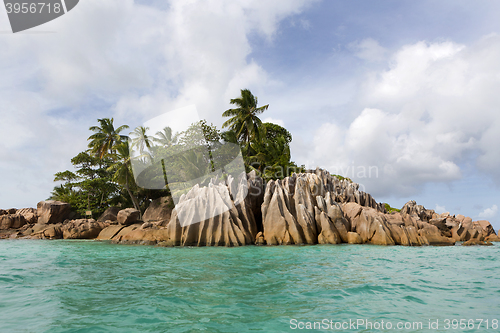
{"x": 123, "y": 60}
{"x": 274, "y": 121}
{"x": 368, "y": 49}
{"x": 433, "y": 110}
{"x": 489, "y": 212}
{"x": 440, "y": 209}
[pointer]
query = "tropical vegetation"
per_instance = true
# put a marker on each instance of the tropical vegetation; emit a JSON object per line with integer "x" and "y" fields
{"x": 131, "y": 170}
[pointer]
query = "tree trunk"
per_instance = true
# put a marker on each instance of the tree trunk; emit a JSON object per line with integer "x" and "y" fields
{"x": 134, "y": 200}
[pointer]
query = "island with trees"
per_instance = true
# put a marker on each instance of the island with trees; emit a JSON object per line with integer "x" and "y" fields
{"x": 273, "y": 201}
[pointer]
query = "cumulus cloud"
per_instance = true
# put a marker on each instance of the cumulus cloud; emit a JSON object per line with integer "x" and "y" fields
{"x": 125, "y": 60}
{"x": 274, "y": 121}
{"x": 368, "y": 49}
{"x": 433, "y": 110}
{"x": 489, "y": 212}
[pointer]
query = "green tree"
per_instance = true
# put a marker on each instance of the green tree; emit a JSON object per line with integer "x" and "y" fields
{"x": 141, "y": 141}
{"x": 271, "y": 156}
{"x": 89, "y": 188}
{"x": 121, "y": 169}
{"x": 244, "y": 120}
{"x": 105, "y": 137}
{"x": 165, "y": 137}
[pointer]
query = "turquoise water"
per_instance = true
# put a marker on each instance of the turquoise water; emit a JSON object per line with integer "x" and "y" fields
{"x": 88, "y": 286}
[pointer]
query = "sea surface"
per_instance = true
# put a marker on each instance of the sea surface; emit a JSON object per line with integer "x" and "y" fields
{"x": 91, "y": 286}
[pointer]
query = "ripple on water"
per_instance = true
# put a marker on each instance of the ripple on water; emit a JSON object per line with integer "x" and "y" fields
{"x": 98, "y": 287}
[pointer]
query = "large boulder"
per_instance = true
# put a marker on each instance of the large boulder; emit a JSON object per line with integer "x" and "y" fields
{"x": 492, "y": 238}
{"x": 109, "y": 232}
{"x": 370, "y": 224}
{"x": 287, "y": 218}
{"x": 29, "y": 214}
{"x": 354, "y": 238}
{"x": 128, "y": 216}
{"x": 124, "y": 231}
{"x": 411, "y": 208}
{"x": 159, "y": 210}
{"x": 486, "y": 227}
{"x": 12, "y": 221}
{"x": 52, "y": 232}
{"x": 207, "y": 216}
{"x": 473, "y": 242}
{"x": 109, "y": 214}
{"x": 441, "y": 224}
{"x": 432, "y": 234}
{"x": 82, "y": 229}
{"x": 51, "y": 212}
{"x": 145, "y": 236}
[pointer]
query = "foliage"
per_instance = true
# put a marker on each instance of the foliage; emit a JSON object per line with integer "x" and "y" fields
{"x": 244, "y": 121}
{"x": 121, "y": 170}
{"x": 391, "y": 209}
{"x": 89, "y": 188}
{"x": 339, "y": 177}
{"x": 104, "y": 176}
{"x": 105, "y": 137}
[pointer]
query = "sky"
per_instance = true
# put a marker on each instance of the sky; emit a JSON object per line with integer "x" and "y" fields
{"x": 401, "y": 96}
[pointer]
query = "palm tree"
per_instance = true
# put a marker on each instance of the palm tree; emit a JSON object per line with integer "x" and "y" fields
{"x": 105, "y": 137}
{"x": 165, "y": 138}
{"x": 121, "y": 168}
{"x": 244, "y": 121}
{"x": 141, "y": 141}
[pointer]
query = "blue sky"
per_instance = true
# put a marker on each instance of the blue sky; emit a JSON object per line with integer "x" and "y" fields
{"x": 409, "y": 88}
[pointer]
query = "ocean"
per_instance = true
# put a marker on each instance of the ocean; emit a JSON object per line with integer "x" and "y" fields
{"x": 91, "y": 286}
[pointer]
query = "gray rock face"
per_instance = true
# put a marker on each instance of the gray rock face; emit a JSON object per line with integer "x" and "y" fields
{"x": 51, "y": 212}
{"x": 207, "y": 216}
{"x": 109, "y": 214}
{"x": 159, "y": 210}
{"x": 343, "y": 191}
{"x": 128, "y": 216}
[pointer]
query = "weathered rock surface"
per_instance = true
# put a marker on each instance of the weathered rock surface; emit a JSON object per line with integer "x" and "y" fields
{"x": 82, "y": 229}
{"x": 51, "y": 212}
{"x": 11, "y": 221}
{"x": 492, "y": 238}
{"x": 74, "y": 229}
{"x": 159, "y": 210}
{"x": 474, "y": 242}
{"x": 354, "y": 238}
{"x": 128, "y": 216}
{"x": 109, "y": 232}
{"x": 109, "y": 214}
{"x": 207, "y": 216}
{"x": 307, "y": 208}
{"x": 29, "y": 214}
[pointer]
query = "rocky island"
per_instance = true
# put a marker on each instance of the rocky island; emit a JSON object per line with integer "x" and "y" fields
{"x": 305, "y": 208}
{"x": 224, "y": 188}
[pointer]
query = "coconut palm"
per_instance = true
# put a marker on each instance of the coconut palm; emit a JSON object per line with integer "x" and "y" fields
{"x": 105, "y": 137}
{"x": 122, "y": 174}
{"x": 141, "y": 141}
{"x": 244, "y": 121}
{"x": 165, "y": 137}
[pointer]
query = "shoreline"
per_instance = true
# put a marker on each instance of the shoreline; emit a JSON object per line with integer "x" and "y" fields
{"x": 303, "y": 209}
